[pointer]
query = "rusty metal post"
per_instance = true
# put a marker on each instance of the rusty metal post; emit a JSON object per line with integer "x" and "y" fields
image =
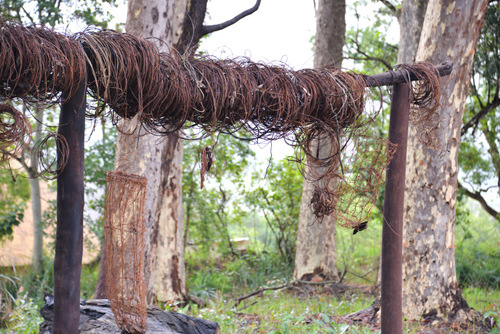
{"x": 392, "y": 230}
{"x": 69, "y": 235}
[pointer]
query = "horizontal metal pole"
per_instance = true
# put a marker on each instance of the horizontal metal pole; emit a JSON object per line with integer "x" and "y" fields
{"x": 401, "y": 76}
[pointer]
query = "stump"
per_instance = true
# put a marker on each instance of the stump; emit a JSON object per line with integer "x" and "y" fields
{"x": 96, "y": 317}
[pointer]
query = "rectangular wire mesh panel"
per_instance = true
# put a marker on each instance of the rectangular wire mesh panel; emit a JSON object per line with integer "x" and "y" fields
{"x": 124, "y": 242}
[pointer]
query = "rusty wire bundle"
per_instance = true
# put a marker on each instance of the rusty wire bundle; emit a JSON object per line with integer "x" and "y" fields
{"x": 38, "y": 63}
{"x": 49, "y": 166}
{"x": 166, "y": 91}
{"x": 424, "y": 98}
{"x": 124, "y": 242}
{"x": 15, "y": 132}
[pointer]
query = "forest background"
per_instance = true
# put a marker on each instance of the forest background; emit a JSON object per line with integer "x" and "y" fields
{"x": 240, "y": 230}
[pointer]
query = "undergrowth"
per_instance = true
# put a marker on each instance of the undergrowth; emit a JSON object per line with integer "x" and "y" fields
{"x": 220, "y": 279}
{"x": 22, "y": 295}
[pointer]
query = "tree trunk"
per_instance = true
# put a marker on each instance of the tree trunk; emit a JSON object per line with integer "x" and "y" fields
{"x": 316, "y": 247}
{"x": 155, "y": 157}
{"x": 159, "y": 158}
{"x": 411, "y": 19}
{"x": 36, "y": 203}
{"x": 450, "y": 32}
{"x": 330, "y": 33}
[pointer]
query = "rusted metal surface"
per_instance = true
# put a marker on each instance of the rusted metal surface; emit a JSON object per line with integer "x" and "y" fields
{"x": 402, "y": 76}
{"x": 70, "y": 201}
{"x": 392, "y": 230}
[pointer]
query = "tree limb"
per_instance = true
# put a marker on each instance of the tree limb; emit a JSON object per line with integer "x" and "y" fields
{"x": 474, "y": 121}
{"x": 478, "y": 197}
{"x": 259, "y": 291}
{"x": 367, "y": 57}
{"x": 29, "y": 170}
{"x": 391, "y": 7}
{"x": 27, "y": 15}
{"x": 216, "y": 27}
{"x": 314, "y": 283}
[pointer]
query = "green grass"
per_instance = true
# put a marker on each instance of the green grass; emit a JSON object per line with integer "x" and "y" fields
{"x": 25, "y": 291}
{"x": 359, "y": 255}
{"x": 283, "y": 312}
{"x": 478, "y": 252}
{"x": 481, "y": 299}
{"x": 209, "y": 274}
{"x": 220, "y": 279}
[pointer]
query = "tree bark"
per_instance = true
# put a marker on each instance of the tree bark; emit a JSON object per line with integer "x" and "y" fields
{"x": 316, "y": 247}
{"x": 159, "y": 158}
{"x": 411, "y": 19}
{"x": 178, "y": 24}
{"x": 330, "y": 33}
{"x": 450, "y": 32}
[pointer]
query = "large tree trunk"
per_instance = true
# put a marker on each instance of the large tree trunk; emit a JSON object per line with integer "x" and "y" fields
{"x": 159, "y": 158}
{"x": 316, "y": 247}
{"x": 330, "y": 33}
{"x": 450, "y": 32}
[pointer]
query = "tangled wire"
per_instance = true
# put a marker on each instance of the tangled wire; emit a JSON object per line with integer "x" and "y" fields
{"x": 38, "y": 63}
{"x": 15, "y": 131}
{"x": 425, "y": 94}
{"x": 166, "y": 91}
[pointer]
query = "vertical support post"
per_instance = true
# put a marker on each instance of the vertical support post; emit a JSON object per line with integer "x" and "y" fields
{"x": 70, "y": 200}
{"x": 392, "y": 230}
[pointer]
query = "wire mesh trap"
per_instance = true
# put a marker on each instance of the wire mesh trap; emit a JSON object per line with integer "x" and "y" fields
{"x": 124, "y": 242}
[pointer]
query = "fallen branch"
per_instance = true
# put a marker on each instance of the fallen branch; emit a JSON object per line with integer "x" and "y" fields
{"x": 259, "y": 291}
{"x": 313, "y": 283}
{"x": 292, "y": 284}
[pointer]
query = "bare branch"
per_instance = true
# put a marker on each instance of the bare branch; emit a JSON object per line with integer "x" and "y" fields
{"x": 258, "y": 292}
{"x": 28, "y": 15}
{"x": 474, "y": 121}
{"x": 216, "y": 27}
{"x": 28, "y": 169}
{"x": 368, "y": 57}
{"x": 479, "y": 197}
{"x": 391, "y": 7}
{"x": 299, "y": 281}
